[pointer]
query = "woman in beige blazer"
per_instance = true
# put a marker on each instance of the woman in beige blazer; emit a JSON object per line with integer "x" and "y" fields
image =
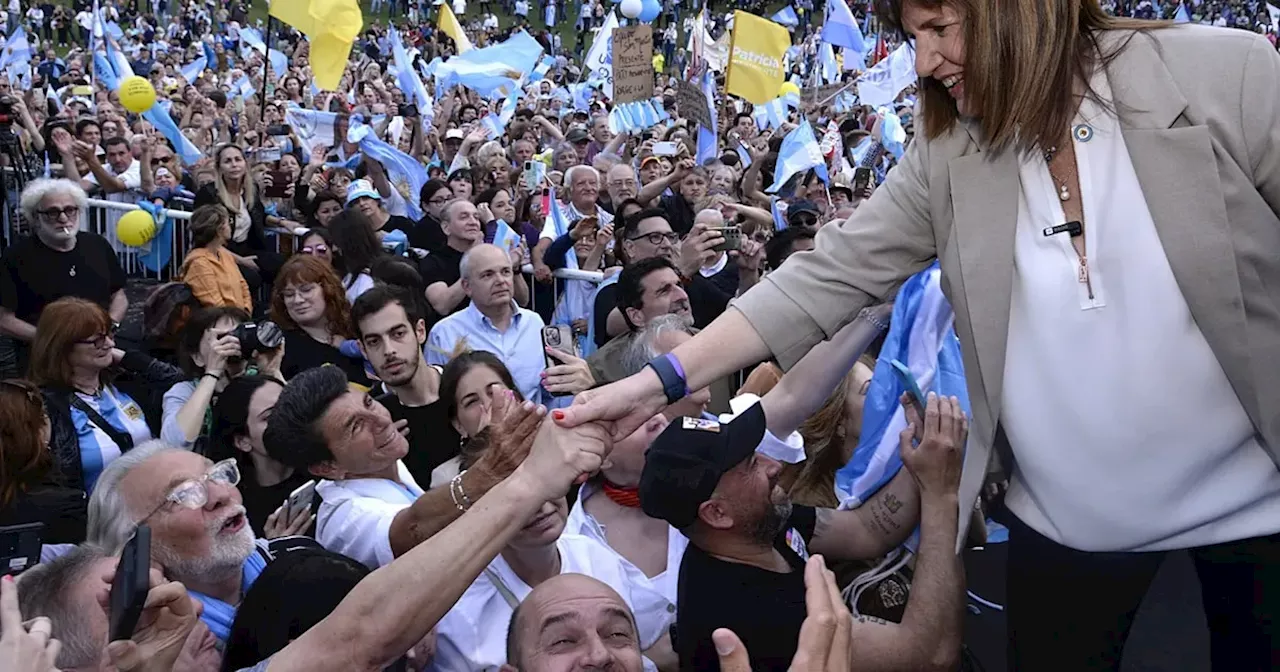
{"x": 1103, "y": 196}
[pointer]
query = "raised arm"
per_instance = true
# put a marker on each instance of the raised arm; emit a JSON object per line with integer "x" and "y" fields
{"x": 393, "y": 608}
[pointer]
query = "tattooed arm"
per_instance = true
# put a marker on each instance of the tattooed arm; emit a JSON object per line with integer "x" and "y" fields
{"x": 873, "y": 529}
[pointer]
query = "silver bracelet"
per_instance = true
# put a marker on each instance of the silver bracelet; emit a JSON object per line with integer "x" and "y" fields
{"x": 868, "y": 315}
{"x": 459, "y": 496}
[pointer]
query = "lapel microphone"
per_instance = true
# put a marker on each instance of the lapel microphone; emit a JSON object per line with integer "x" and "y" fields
{"x": 1073, "y": 228}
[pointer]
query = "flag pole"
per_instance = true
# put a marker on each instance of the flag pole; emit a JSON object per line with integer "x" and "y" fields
{"x": 266, "y": 66}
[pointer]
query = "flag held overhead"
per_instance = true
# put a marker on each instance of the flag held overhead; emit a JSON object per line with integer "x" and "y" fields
{"x": 331, "y": 26}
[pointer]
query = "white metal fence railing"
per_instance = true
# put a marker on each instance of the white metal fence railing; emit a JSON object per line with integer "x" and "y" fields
{"x": 103, "y": 215}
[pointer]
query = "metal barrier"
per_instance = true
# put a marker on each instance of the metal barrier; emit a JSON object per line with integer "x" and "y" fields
{"x": 103, "y": 215}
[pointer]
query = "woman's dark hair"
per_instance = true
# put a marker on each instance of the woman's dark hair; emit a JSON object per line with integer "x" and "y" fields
{"x": 458, "y": 367}
{"x": 353, "y": 234}
{"x": 295, "y": 592}
{"x": 193, "y": 333}
{"x": 231, "y": 419}
{"x": 402, "y": 275}
{"x": 430, "y": 188}
{"x": 319, "y": 232}
{"x": 460, "y": 175}
{"x": 321, "y": 197}
{"x": 488, "y": 195}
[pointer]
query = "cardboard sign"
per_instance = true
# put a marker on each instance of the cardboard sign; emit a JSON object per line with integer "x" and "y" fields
{"x": 692, "y": 103}
{"x": 632, "y": 64}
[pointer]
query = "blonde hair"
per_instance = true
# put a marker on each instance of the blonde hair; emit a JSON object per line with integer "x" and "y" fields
{"x": 248, "y": 190}
{"x": 825, "y": 434}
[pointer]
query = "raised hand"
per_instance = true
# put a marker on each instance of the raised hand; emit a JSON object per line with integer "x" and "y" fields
{"x": 936, "y": 460}
{"x": 511, "y": 437}
{"x": 28, "y": 648}
{"x": 168, "y": 616}
{"x": 571, "y": 376}
{"x": 560, "y": 457}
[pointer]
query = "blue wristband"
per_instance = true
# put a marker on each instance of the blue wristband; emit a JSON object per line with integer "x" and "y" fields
{"x": 671, "y": 374}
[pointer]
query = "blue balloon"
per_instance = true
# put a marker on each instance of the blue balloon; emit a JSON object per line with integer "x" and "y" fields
{"x": 650, "y": 10}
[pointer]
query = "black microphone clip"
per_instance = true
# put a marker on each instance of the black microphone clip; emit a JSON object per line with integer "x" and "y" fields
{"x": 1073, "y": 228}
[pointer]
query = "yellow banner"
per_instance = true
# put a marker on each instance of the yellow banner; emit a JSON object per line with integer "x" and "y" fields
{"x": 756, "y": 53}
{"x": 449, "y": 24}
{"x": 331, "y": 26}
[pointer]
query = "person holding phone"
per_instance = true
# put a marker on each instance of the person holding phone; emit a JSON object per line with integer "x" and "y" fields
{"x": 1107, "y": 127}
{"x": 239, "y": 421}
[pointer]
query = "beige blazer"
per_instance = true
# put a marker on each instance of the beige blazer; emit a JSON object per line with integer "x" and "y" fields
{"x": 1200, "y": 112}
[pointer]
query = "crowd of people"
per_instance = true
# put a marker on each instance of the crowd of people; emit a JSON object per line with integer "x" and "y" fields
{"x": 372, "y": 424}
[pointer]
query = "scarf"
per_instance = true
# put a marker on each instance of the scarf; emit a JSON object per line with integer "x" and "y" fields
{"x": 218, "y": 615}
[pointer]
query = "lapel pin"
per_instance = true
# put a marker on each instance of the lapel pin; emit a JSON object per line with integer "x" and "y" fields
{"x": 1083, "y": 132}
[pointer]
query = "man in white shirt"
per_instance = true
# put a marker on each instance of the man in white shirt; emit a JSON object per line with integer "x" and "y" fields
{"x": 120, "y": 180}
{"x": 372, "y": 510}
{"x": 584, "y": 190}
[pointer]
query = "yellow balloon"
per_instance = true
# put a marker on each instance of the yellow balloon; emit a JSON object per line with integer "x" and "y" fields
{"x": 136, "y": 94}
{"x": 788, "y": 87}
{"x": 136, "y": 228}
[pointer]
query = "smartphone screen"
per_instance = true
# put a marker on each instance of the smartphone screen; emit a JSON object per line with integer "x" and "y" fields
{"x": 558, "y": 337}
{"x": 912, "y": 387}
{"x": 861, "y": 180}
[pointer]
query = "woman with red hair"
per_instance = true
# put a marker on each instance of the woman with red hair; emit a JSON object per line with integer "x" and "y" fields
{"x": 30, "y": 486}
{"x": 310, "y": 305}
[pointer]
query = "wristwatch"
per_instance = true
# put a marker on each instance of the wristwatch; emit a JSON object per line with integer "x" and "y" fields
{"x": 671, "y": 374}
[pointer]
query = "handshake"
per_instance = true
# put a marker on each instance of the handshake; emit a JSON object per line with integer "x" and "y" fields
{"x": 545, "y": 456}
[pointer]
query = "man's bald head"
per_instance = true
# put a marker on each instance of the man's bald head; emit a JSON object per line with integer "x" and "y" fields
{"x": 713, "y": 218}
{"x": 570, "y": 620}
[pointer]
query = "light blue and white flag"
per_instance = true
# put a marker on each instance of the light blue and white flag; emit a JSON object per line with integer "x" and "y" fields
{"x": 799, "y": 152}
{"x": 506, "y": 237}
{"x": 251, "y": 38}
{"x": 708, "y": 141}
{"x": 1181, "y": 15}
{"x": 243, "y": 87}
{"x": 491, "y": 70}
{"x": 211, "y": 58}
{"x": 408, "y": 80}
{"x": 314, "y": 128}
{"x": 786, "y": 16}
{"x": 406, "y": 174}
{"x": 892, "y": 135}
{"x": 773, "y": 114}
{"x": 540, "y": 72}
{"x": 827, "y": 63}
{"x": 17, "y": 50}
{"x": 598, "y": 64}
{"x": 885, "y": 80}
{"x": 776, "y": 206}
{"x": 575, "y": 300}
{"x": 841, "y": 29}
{"x": 169, "y": 129}
{"x": 921, "y": 335}
{"x": 192, "y": 71}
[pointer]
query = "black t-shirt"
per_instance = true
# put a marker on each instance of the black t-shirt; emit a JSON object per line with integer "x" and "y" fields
{"x": 765, "y": 609}
{"x": 398, "y": 223}
{"x": 432, "y": 439}
{"x": 679, "y": 213}
{"x": 260, "y": 502}
{"x": 606, "y": 301}
{"x": 301, "y": 352}
{"x": 444, "y": 264}
{"x": 427, "y": 234}
{"x": 33, "y": 275}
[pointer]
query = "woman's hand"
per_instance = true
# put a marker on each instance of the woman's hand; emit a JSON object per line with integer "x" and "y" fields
{"x": 629, "y": 403}
{"x": 936, "y": 458}
{"x": 217, "y": 353}
{"x": 511, "y": 438}
{"x": 278, "y": 523}
{"x": 24, "y": 649}
{"x": 250, "y": 261}
{"x": 571, "y": 376}
{"x": 268, "y": 361}
{"x": 604, "y": 236}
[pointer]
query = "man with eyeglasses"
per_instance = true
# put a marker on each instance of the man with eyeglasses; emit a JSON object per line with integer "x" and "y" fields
{"x": 648, "y": 234}
{"x": 200, "y": 534}
{"x": 59, "y": 260}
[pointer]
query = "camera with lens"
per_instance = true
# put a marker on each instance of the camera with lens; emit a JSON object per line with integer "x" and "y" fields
{"x": 256, "y": 338}
{"x": 7, "y": 113}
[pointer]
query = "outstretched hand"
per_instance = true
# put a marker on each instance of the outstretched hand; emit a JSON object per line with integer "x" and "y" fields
{"x": 628, "y": 403}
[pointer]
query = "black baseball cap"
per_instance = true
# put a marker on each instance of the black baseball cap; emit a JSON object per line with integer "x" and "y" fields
{"x": 684, "y": 464}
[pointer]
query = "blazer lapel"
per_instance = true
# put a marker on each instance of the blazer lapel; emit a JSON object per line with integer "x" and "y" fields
{"x": 1178, "y": 170}
{"x": 984, "y": 192}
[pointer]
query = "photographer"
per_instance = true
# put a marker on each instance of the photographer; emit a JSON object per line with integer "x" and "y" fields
{"x": 217, "y": 346}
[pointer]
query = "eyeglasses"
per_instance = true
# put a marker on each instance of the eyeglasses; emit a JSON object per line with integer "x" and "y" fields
{"x": 805, "y": 219}
{"x": 657, "y": 237}
{"x": 71, "y": 212}
{"x": 315, "y": 249}
{"x": 100, "y": 341}
{"x": 438, "y": 201}
{"x": 193, "y": 494}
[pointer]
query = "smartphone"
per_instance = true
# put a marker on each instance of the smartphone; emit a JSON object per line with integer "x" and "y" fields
{"x": 534, "y": 173}
{"x": 408, "y": 110}
{"x": 278, "y": 130}
{"x": 558, "y": 337}
{"x": 665, "y": 149}
{"x": 300, "y": 500}
{"x": 131, "y": 583}
{"x": 268, "y": 154}
{"x": 861, "y": 180}
{"x": 20, "y": 547}
{"x": 912, "y": 387}
{"x": 279, "y": 184}
{"x": 732, "y": 238}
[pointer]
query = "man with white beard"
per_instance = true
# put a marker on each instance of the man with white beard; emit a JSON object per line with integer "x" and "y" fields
{"x": 199, "y": 533}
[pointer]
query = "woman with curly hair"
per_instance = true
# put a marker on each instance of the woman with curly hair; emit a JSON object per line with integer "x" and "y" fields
{"x": 310, "y": 305}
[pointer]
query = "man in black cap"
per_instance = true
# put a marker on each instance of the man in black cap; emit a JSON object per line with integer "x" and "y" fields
{"x": 744, "y": 568}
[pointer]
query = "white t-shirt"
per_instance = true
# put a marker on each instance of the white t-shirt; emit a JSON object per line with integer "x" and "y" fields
{"x": 355, "y": 515}
{"x": 85, "y": 19}
{"x": 473, "y": 635}
{"x": 357, "y": 285}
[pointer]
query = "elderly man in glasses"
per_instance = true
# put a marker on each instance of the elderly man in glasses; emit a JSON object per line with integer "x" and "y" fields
{"x": 56, "y": 261}
{"x": 199, "y": 533}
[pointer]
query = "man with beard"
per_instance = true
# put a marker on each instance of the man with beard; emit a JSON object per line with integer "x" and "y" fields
{"x": 200, "y": 535}
{"x": 392, "y": 336}
{"x": 743, "y": 569}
